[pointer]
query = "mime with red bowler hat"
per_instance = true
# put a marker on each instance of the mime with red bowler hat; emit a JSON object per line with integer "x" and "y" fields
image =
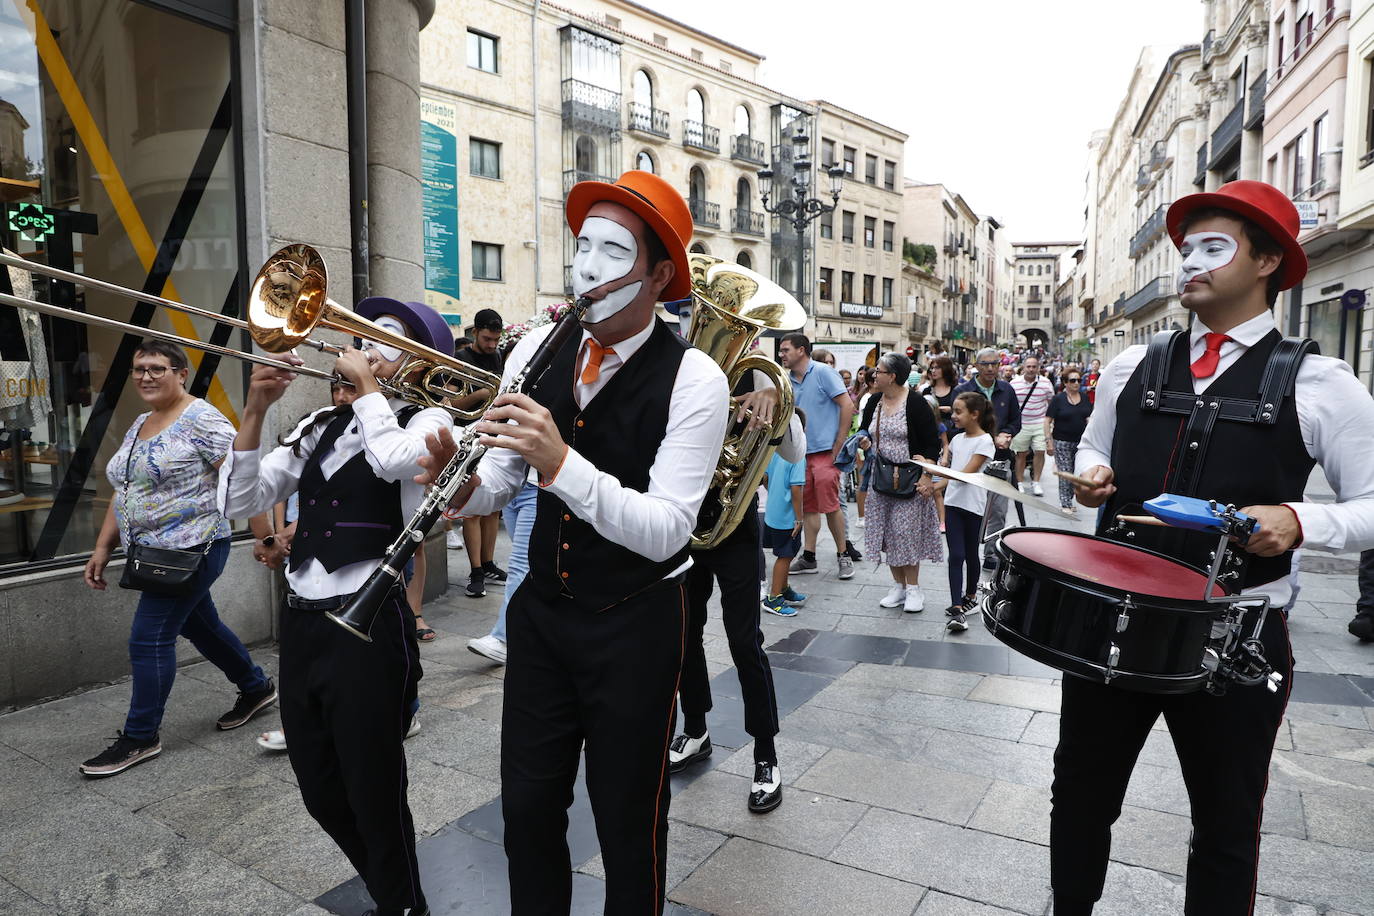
{"x": 1152, "y": 432}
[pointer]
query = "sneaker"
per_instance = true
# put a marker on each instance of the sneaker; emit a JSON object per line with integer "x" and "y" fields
{"x": 846, "y": 566}
{"x": 777, "y": 604}
{"x": 1070, "y": 511}
{"x": 803, "y": 565}
{"x": 414, "y": 728}
{"x": 1362, "y": 627}
{"x": 792, "y": 598}
{"x": 765, "y": 793}
{"x": 248, "y": 706}
{"x": 1037, "y": 489}
{"x": 915, "y": 600}
{"x": 955, "y": 610}
{"x": 686, "y": 750}
{"x": 121, "y": 755}
{"x": 10, "y": 497}
{"x": 495, "y": 574}
{"x": 957, "y": 623}
{"x": 852, "y": 552}
{"x": 489, "y": 647}
{"x": 477, "y": 583}
{"x": 454, "y": 539}
{"x": 274, "y": 740}
{"x": 861, "y": 522}
{"x": 894, "y": 597}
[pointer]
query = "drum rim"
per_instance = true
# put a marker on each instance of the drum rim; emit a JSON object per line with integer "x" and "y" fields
{"x": 1153, "y": 602}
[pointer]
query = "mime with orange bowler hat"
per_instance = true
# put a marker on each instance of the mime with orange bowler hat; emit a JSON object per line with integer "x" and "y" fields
{"x": 1154, "y": 432}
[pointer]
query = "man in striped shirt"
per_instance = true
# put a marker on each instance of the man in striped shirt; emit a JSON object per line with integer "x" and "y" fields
{"x": 1033, "y": 394}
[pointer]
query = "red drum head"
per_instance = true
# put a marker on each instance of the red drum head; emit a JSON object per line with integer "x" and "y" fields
{"x": 1110, "y": 564}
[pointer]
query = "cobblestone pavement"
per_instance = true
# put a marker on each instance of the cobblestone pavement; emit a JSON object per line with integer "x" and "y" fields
{"x": 917, "y": 767}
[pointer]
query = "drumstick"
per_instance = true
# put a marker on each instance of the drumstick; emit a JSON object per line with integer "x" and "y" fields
{"x": 1142, "y": 520}
{"x": 1076, "y": 480}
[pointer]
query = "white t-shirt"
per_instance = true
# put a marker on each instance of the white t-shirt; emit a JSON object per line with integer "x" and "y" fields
{"x": 961, "y": 451}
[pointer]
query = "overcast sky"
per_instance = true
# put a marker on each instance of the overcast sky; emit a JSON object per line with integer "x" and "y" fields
{"x": 999, "y": 97}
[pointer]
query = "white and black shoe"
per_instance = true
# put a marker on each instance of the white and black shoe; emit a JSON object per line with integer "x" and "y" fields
{"x": 765, "y": 793}
{"x": 686, "y": 750}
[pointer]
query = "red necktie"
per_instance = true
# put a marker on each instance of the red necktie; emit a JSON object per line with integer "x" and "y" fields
{"x": 1206, "y": 364}
{"x": 595, "y": 353}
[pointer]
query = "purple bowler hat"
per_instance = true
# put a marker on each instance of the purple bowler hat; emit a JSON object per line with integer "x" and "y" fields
{"x": 426, "y": 326}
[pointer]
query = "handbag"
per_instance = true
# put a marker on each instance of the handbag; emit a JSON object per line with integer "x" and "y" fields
{"x": 892, "y": 478}
{"x": 158, "y": 570}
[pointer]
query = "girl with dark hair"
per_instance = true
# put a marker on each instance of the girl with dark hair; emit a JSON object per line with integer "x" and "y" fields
{"x": 964, "y": 503}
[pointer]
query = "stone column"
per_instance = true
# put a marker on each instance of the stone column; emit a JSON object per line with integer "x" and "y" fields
{"x": 1255, "y": 40}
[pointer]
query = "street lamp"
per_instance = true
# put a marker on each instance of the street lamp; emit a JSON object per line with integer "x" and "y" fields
{"x": 796, "y": 205}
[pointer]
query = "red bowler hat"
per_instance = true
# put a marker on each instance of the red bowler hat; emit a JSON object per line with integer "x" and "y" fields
{"x": 1262, "y": 204}
{"x": 657, "y": 203}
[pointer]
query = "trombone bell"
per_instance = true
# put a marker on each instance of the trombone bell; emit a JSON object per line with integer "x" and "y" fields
{"x": 288, "y": 298}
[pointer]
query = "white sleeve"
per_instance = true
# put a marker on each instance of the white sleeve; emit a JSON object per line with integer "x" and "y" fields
{"x": 394, "y": 451}
{"x": 1096, "y": 445}
{"x": 1336, "y": 415}
{"x": 502, "y": 470}
{"x": 250, "y": 484}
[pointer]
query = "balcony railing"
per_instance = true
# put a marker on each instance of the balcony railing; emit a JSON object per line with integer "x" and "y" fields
{"x": 573, "y": 176}
{"x": 1119, "y": 306}
{"x": 920, "y": 325}
{"x": 1157, "y": 290}
{"x": 958, "y": 330}
{"x": 746, "y": 149}
{"x": 1201, "y": 177}
{"x": 1159, "y": 153}
{"x": 747, "y": 222}
{"x": 704, "y": 213}
{"x": 1142, "y": 178}
{"x": 646, "y": 120}
{"x": 1227, "y": 135}
{"x": 1149, "y": 230}
{"x": 1255, "y": 116}
{"x": 590, "y": 107}
{"x": 1035, "y": 297}
{"x": 701, "y": 136}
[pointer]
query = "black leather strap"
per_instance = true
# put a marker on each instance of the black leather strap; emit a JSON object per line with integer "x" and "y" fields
{"x": 1281, "y": 376}
{"x": 1158, "y": 358}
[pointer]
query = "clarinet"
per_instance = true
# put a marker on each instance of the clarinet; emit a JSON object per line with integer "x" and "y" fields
{"x": 361, "y": 610}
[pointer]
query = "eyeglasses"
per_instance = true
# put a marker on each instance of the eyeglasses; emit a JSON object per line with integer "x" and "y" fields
{"x": 990, "y": 364}
{"x": 1072, "y": 380}
{"x": 152, "y": 372}
{"x": 882, "y": 372}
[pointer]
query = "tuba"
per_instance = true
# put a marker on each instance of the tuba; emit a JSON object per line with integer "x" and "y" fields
{"x": 732, "y": 306}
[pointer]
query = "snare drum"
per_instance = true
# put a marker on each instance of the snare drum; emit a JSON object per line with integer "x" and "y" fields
{"x": 1104, "y": 610}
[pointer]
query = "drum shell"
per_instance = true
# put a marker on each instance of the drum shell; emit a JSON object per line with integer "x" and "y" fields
{"x": 1070, "y": 624}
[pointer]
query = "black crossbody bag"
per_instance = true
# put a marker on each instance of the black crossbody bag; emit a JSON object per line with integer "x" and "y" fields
{"x": 892, "y": 478}
{"x": 160, "y": 570}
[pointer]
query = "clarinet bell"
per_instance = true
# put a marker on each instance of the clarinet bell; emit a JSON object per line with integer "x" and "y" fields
{"x": 355, "y": 618}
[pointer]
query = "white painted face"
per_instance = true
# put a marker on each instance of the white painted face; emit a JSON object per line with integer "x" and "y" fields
{"x": 606, "y": 252}
{"x": 385, "y": 351}
{"x": 1202, "y": 253}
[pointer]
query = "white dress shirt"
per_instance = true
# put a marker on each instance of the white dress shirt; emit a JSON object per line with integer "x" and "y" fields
{"x": 658, "y": 522}
{"x": 250, "y": 483}
{"x": 1335, "y": 416}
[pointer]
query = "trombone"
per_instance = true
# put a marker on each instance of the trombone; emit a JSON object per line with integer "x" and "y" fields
{"x": 286, "y": 304}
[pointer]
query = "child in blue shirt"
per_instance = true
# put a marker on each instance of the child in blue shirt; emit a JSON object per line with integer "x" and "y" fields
{"x": 782, "y": 521}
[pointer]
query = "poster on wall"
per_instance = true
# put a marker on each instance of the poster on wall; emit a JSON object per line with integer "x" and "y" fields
{"x": 851, "y": 355}
{"x": 439, "y": 185}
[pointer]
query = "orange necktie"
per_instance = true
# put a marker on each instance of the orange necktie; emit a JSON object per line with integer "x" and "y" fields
{"x": 1206, "y": 364}
{"x": 595, "y": 354}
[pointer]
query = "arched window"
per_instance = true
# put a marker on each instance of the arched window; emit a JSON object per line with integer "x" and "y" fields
{"x": 743, "y": 195}
{"x": 742, "y": 126}
{"x": 696, "y": 106}
{"x": 645, "y": 162}
{"x": 696, "y": 184}
{"x": 644, "y": 89}
{"x": 744, "y": 260}
{"x": 584, "y": 152}
{"x": 698, "y": 248}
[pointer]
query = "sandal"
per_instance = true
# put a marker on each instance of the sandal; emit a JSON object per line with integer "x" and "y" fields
{"x": 273, "y": 741}
{"x": 425, "y": 634}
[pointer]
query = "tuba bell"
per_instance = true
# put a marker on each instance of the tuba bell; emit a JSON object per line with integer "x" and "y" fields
{"x": 732, "y": 306}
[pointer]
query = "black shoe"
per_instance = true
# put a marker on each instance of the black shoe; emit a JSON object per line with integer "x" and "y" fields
{"x": 957, "y": 623}
{"x": 121, "y": 755}
{"x": 990, "y": 563}
{"x": 494, "y": 574}
{"x": 686, "y": 750}
{"x": 1362, "y": 627}
{"x": 852, "y": 552}
{"x": 765, "y": 793}
{"x": 413, "y": 911}
{"x": 477, "y": 583}
{"x": 247, "y": 706}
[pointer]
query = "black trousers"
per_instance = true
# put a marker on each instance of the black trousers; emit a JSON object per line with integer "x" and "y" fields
{"x": 1224, "y": 744}
{"x": 608, "y": 680}
{"x": 735, "y": 565}
{"x": 1365, "y": 604}
{"x": 345, "y": 708}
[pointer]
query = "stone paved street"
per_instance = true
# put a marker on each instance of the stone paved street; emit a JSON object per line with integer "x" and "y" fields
{"x": 917, "y": 767}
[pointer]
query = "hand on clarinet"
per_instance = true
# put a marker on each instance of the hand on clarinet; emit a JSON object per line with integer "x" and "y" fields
{"x": 442, "y": 449}
{"x": 533, "y": 434}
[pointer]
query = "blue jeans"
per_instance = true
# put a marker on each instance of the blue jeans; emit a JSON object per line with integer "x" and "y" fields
{"x": 519, "y": 518}
{"x": 158, "y": 621}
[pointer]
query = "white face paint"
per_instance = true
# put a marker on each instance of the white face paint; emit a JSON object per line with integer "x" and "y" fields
{"x": 385, "y": 351}
{"x": 606, "y": 252}
{"x": 1202, "y": 253}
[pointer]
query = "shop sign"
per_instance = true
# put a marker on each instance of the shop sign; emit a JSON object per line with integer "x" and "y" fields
{"x": 1307, "y": 214}
{"x": 439, "y": 210}
{"x": 857, "y": 310}
{"x": 858, "y": 331}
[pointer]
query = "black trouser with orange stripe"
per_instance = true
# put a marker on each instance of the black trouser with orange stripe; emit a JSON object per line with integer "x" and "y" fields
{"x": 1224, "y": 744}
{"x": 608, "y": 679}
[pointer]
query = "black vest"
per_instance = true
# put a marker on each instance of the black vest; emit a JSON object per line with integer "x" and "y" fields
{"x": 619, "y": 432}
{"x": 352, "y": 516}
{"x": 1237, "y": 443}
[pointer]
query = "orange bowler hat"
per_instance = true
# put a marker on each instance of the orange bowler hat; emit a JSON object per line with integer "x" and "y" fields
{"x": 1262, "y": 204}
{"x": 657, "y": 203}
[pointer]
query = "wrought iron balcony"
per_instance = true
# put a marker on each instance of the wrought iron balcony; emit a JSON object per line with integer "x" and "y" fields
{"x": 920, "y": 325}
{"x": 1035, "y": 297}
{"x": 746, "y": 222}
{"x": 746, "y": 149}
{"x": 1255, "y": 116}
{"x": 704, "y": 213}
{"x": 590, "y": 107}
{"x": 1201, "y": 177}
{"x": 573, "y": 176}
{"x": 1119, "y": 306}
{"x": 1156, "y": 290}
{"x": 1227, "y": 135}
{"x": 1151, "y": 229}
{"x": 646, "y": 120}
{"x": 701, "y": 136}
